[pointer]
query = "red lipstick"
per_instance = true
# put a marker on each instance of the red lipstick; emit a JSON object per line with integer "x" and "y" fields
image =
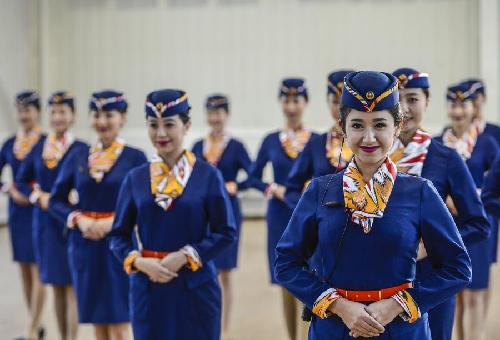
{"x": 369, "y": 149}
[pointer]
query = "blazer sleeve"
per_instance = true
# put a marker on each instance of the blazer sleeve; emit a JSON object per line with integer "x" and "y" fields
{"x": 445, "y": 249}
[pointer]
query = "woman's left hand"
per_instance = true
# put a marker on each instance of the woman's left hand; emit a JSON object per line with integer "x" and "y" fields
{"x": 232, "y": 188}
{"x": 104, "y": 225}
{"x": 384, "y": 311}
{"x": 174, "y": 261}
{"x": 43, "y": 201}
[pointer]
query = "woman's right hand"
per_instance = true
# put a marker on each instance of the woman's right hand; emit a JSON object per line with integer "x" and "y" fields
{"x": 279, "y": 192}
{"x": 356, "y": 318}
{"x": 153, "y": 268}
{"x": 86, "y": 226}
{"x": 18, "y": 197}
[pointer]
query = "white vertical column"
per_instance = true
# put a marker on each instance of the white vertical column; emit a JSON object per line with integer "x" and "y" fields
{"x": 489, "y": 55}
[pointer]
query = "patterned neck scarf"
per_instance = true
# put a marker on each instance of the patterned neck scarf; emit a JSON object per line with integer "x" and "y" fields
{"x": 367, "y": 201}
{"x": 293, "y": 141}
{"x": 54, "y": 149}
{"x": 335, "y": 151}
{"x": 480, "y": 125}
{"x": 25, "y": 141}
{"x": 214, "y": 146}
{"x": 102, "y": 160}
{"x": 168, "y": 184}
{"x": 410, "y": 159}
{"x": 463, "y": 145}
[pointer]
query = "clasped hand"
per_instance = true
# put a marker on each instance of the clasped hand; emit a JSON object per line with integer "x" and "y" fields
{"x": 366, "y": 321}
{"x": 164, "y": 270}
{"x": 94, "y": 229}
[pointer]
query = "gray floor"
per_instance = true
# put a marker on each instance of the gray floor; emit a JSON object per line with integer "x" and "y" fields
{"x": 257, "y": 311}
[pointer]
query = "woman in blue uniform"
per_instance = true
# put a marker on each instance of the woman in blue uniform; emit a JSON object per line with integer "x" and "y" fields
{"x": 14, "y": 150}
{"x": 325, "y": 154}
{"x": 96, "y": 175}
{"x": 478, "y": 88}
{"x": 479, "y": 152}
{"x": 281, "y": 149}
{"x": 415, "y": 153}
{"x": 366, "y": 223}
{"x": 184, "y": 220}
{"x": 41, "y": 165}
{"x": 230, "y": 156}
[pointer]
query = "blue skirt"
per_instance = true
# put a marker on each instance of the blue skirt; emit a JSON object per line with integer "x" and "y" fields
{"x": 334, "y": 328}
{"x": 442, "y": 316}
{"x": 100, "y": 282}
{"x": 481, "y": 259}
{"x": 51, "y": 249}
{"x": 173, "y": 310}
{"x": 278, "y": 215}
{"x": 228, "y": 258}
{"x": 21, "y": 232}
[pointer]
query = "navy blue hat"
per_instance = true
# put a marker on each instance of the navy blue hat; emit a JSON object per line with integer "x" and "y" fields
{"x": 335, "y": 81}
{"x": 370, "y": 91}
{"x": 26, "y": 98}
{"x": 108, "y": 100}
{"x": 293, "y": 87}
{"x": 62, "y": 97}
{"x": 166, "y": 103}
{"x": 460, "y": 92}
{"x": 476, "y": 85}
{"x": 217, "y": 101}
{"x": 411, "y": 78}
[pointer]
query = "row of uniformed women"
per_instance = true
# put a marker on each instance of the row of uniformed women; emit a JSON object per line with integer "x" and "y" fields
{"x": 94, "y": 273}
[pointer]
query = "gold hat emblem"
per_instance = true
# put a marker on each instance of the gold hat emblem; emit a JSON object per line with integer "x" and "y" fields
{"x": 402, "y": 80}
{"x": 460, "y": 95}
{"x": 370, "y": 95}
{"x": 159, "y": 107}
{"x": 57, "y": 99}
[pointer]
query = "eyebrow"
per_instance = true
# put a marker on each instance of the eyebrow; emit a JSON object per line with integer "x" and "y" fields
{"x": 375, "y": 120}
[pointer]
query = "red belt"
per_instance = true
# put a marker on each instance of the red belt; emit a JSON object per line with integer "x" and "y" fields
{"x": 154, "y": 254}
{"x": 98, "y": 215}
{"x": 372, "y": 295}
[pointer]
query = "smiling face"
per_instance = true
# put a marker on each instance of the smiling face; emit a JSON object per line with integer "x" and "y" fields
{"x": 293, "y": 107}
{"x": 167, "y": 134}
{"x": 460, "y": 114}
{"x": 414, "y": 103}
{"x": 61, "y": 118}
{"x": 27, "y": 116}
{"x": 370, "y": 135}
{"x": 107, "y": 124}
{"x": 217, "y": 119}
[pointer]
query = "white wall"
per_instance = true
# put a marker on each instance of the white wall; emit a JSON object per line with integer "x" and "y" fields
{"x": 245, "y": 49}
{"x": 18, "y": 63}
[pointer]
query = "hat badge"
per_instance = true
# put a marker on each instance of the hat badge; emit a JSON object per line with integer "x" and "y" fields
{"x": 460, "y": 95}
{"x": 57, "y": 99}
{"x": 159, "y": 107}
{"x": 402, "y": 79}
{"x": 370, "y": 95}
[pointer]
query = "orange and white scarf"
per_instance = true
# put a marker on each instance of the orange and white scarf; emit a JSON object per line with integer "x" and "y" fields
{"x": 214, "y": 146}
{"x": 293, "y": 141}
{"x": 480, "y": 125}
{"x": 168, "y": 184}
{"x": 54, "y": 148}
{"x": 463, "y": 145}
{"x": 410, "y": 159}
{"x": 367, "y": 201}
{"x": 335, "y": 151}
{"x": 102, "y": 160}
{"x": 25, "y": 141}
